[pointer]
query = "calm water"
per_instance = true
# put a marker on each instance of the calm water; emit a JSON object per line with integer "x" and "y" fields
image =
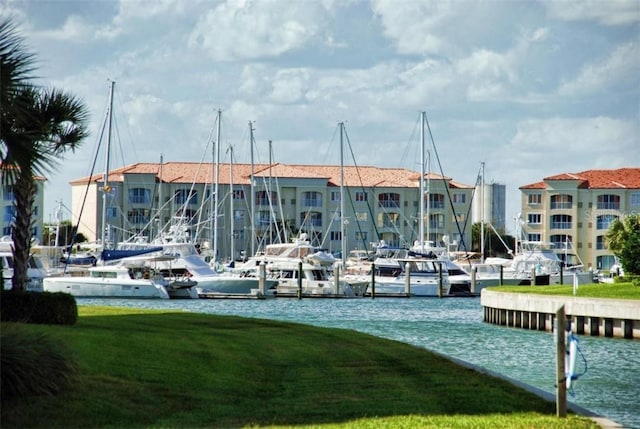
{"x": 611, "y": 386}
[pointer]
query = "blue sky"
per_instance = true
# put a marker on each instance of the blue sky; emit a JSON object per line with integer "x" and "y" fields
{"x": 531, "y": 88}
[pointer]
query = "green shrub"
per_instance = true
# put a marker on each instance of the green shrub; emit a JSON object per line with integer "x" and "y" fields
{"x": 32, "y": 363}
{"x": 38, "y": 307}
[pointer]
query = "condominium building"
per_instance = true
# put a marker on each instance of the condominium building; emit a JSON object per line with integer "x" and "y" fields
{"x": 573, "y": 211}
{"x": 9, "y": 210}
{"x": 379, "y": 204}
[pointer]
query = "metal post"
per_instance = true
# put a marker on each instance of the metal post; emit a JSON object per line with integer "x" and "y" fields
{"x": 533, "y": 276}
{"x": 373, "y": 280}
{"x": 474, "y": 271}
{"x": 561, "y": 384}
{"x": 501, "y": 275}
{"x": 336, "y": 279}
{"x": 262, "y": 274}
{"x": 407, "y": 279}
{"x": 300, "y": 280}
{"x": 439, "y": 279}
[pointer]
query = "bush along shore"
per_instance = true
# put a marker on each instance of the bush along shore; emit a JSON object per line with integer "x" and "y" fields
{"x": 129, "y": 368}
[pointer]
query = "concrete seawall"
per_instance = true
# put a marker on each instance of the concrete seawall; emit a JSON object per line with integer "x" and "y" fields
{"x": 587, "y": 316}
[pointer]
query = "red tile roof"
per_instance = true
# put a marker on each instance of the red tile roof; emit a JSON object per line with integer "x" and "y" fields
{"x": 191, "y": 172}
{"x": 621, "y": 178}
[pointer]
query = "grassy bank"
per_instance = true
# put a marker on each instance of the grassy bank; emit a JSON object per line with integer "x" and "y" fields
{"x": 596, "y": 290}
{"x": 141, "y": 369}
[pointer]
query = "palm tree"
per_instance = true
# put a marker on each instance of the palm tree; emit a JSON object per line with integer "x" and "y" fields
{"x": 623, "y": 240}
{"x": 38, "y": 127}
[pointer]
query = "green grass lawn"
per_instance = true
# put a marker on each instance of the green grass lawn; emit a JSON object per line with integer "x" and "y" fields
{"x": 143, "y": 369}
{"x": 595, "y": 290}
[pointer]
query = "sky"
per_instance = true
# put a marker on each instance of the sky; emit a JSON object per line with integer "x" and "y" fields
{"x": 529, "y": 89}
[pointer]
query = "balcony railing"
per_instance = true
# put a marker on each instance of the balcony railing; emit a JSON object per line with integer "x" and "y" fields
{"x": 561, "y": 225}
{"x": 561, "y": 205}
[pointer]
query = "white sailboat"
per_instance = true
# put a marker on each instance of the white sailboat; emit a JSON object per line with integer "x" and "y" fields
{"x": 428, "y": 276}
{"x": 112, "y": 281}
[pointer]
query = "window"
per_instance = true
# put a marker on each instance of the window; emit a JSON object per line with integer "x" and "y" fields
{"x": 389, "y": 200}
{"x": 138, "y": 216}
{"x": 534, "y": 198}
{"x": 8, "y": 193}
{"x": 263, "y": 218}
{"x": 436, "y": 201}
{"x": 238, "y": 214}
{"x": 534, "y": 237}
{"x": 9, "y": 213}
{"x": 634, "y": 200}
{"x": 112, "y": 212}
{"x": 534, "y": 218}
{"x": 310, "y": 219}
{"x": 183, "y": 196}
{"x": 601, "y": 244}
{"x": 335, "y": 236}
{"x": 361, "y": 236}
{"x": 560, "y": 241}
{"x": 265, "y": 198}
{"x": 561, "y": 222}
{"x": 311, "y": 199}
{"x": 335, "y": 195}
{"x": 460, "y": 217}
{"x": 388, "y": 220}
{"x": 361, "y": 196}
{"x": 609, "y": 202}
{"x": 362, "y": 216}
{"x": 604, "y": 221}
{"x": 238, "y": 194}
{"x": 140, "y": 196}
{"x": 238, "y": 234}
{"x": 561, "y": 201}
{"x": 459, "y": 198}
{"x": 436, "y": 220}
{"x": 605, "y": 262}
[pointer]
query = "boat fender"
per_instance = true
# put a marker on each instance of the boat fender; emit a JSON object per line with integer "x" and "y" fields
{"x": 571, "y": 370}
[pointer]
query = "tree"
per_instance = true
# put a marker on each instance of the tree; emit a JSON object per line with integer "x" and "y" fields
{"x": 623, "y": 239}
{"x": 38, "y": 126}
{"x": 495, "y": 244}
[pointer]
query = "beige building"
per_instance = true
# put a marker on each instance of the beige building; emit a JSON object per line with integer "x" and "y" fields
{"x": 577, "y": 208}
{"x": 8, "y": 209}
{"x": 380, "y": 204}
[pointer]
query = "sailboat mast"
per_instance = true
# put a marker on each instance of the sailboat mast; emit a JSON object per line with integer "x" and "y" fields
{"x": 343, "y": 219}
{"x": 160, "y": 199}
{"x": 105, "y": 180}
{"x": 422, "y": 172}
{"x": 231, "y": 217}
{"x": 482, "y": 215}
{"x": 252, "y": 197}
{"x": 214, "y": 232}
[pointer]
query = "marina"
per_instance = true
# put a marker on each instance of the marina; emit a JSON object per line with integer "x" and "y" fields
{"x": 453, "y": 327}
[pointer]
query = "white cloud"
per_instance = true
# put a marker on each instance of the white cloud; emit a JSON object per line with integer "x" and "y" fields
{"x": 621, "y": 65}
{"x": 245, "y": 29}
{"x": 413, "y": 27}
{"x": 610, "y": 12}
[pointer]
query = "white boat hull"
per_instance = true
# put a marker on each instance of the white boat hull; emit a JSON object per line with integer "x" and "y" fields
{"x": 418, "y": 287}
{"x": 230, "y": 284}
{"x": 105, "y": 288}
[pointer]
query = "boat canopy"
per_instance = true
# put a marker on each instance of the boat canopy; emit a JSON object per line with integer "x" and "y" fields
{"x": 113, "y": 254}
